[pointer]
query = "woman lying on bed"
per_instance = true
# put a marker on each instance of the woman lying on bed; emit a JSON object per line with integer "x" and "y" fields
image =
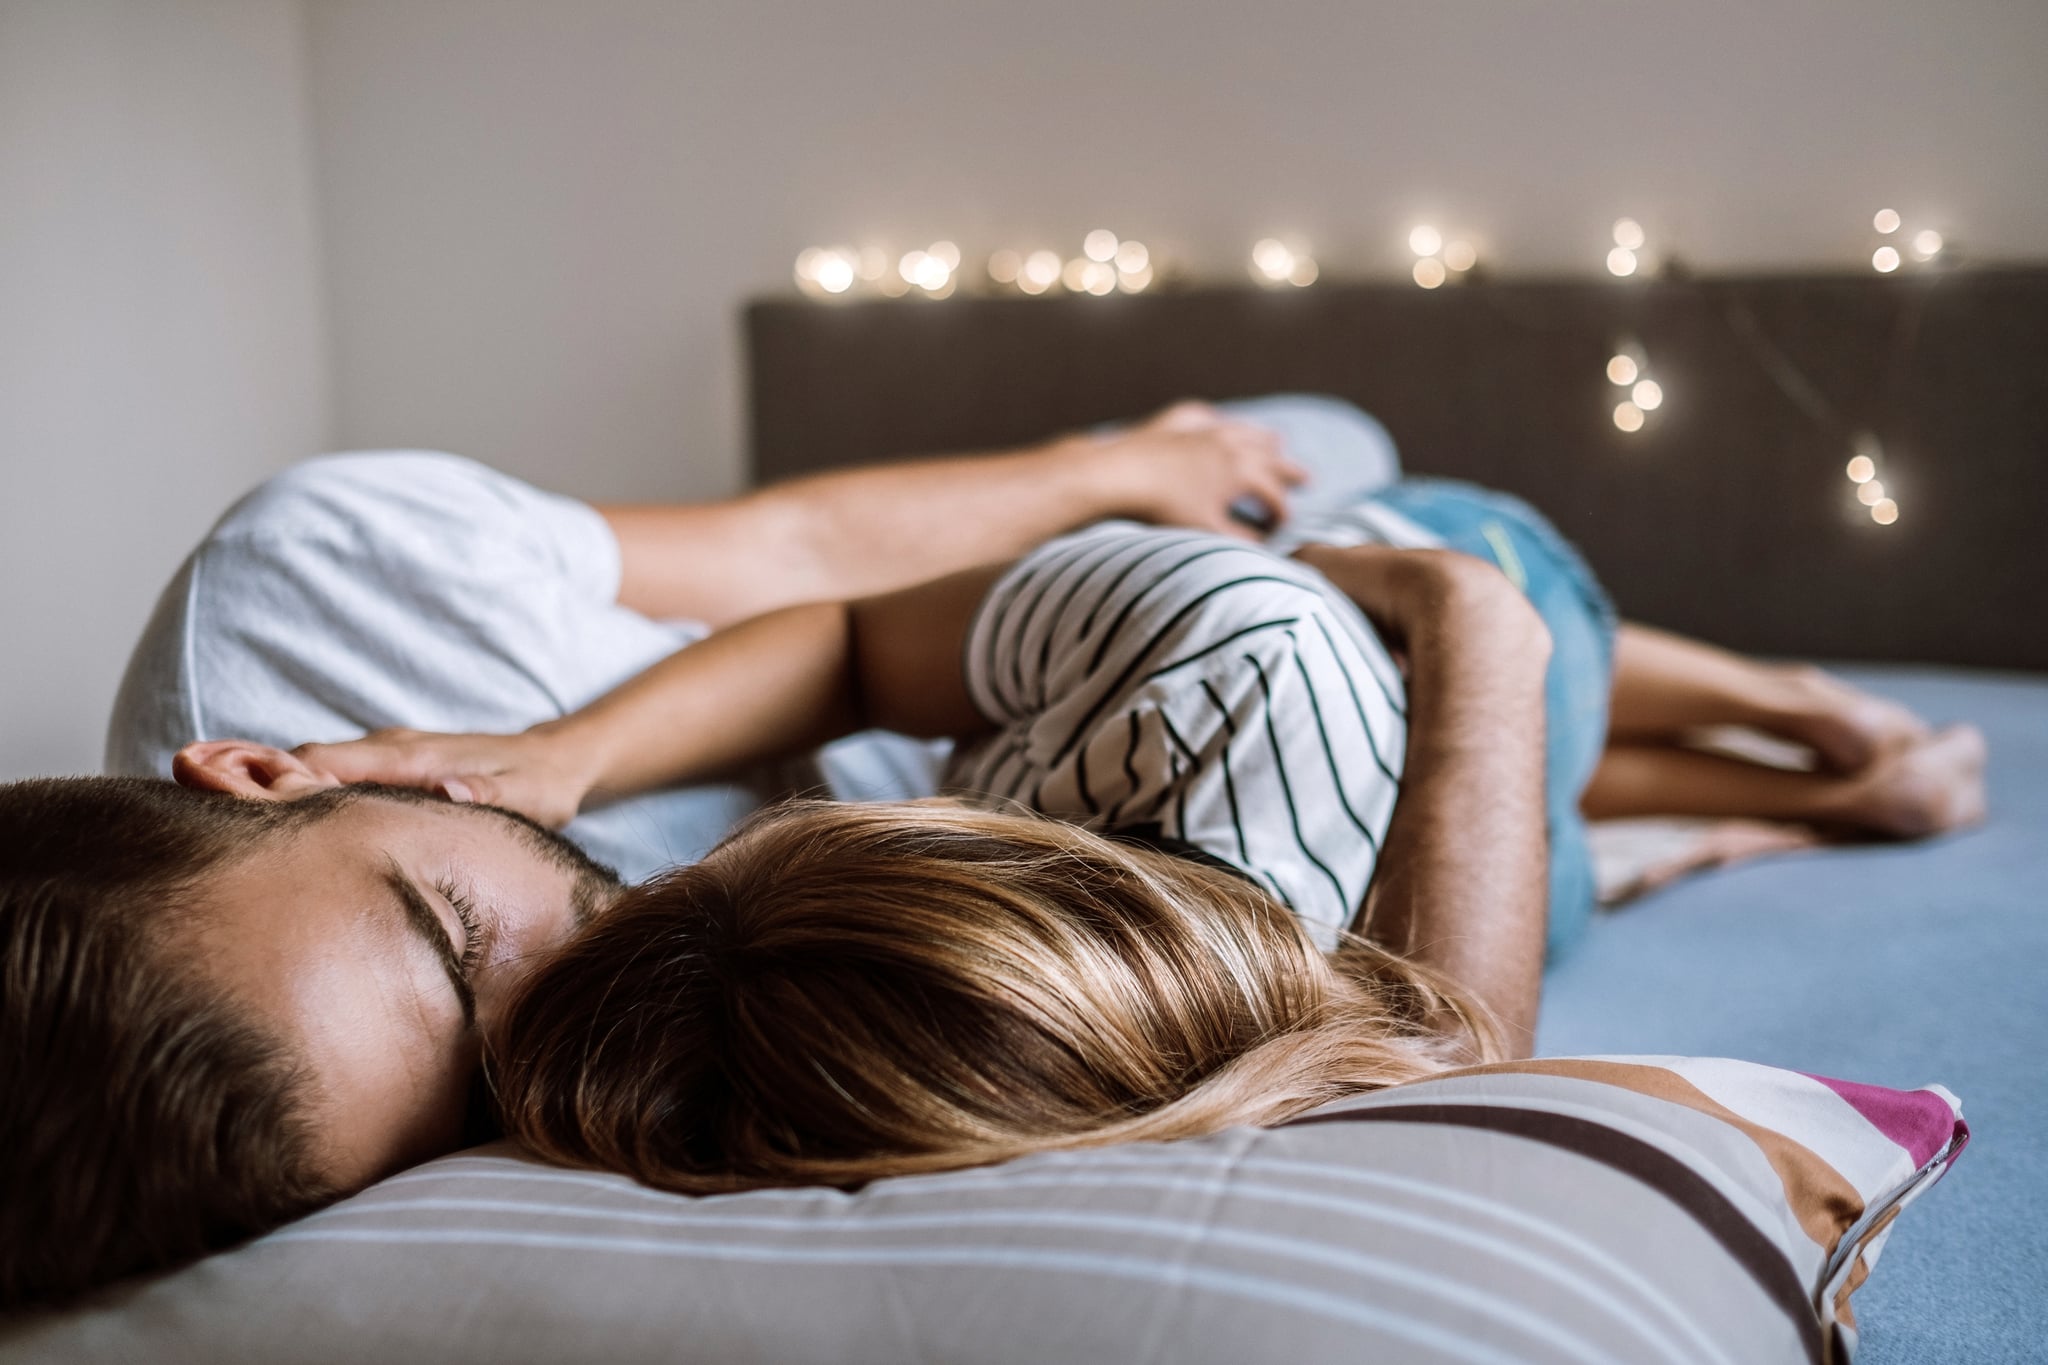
{"x": 1302, "y": 806}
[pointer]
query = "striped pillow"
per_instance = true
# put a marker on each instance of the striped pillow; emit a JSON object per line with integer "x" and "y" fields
{"x": 1628, "y": 1210}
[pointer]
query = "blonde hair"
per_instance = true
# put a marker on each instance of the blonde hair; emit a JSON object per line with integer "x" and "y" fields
{"x": 842, "y": 992}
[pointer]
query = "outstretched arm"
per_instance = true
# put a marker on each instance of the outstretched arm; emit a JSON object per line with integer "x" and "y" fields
{"x": 860, "y": 532}
{"x": 780, "y": 683}
{"x": 1461, "y": 884}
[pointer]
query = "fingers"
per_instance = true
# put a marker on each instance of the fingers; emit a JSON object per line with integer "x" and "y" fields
{"x": 1187, "y": 415}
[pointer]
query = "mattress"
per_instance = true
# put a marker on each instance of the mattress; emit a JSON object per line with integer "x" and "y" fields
{"x": 1899, "y": 964}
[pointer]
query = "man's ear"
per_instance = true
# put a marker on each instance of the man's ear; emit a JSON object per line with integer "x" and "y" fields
{"x": 242, "y": 767}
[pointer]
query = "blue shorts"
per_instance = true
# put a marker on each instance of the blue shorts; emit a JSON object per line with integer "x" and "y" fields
{"x": 1511, "y": 535}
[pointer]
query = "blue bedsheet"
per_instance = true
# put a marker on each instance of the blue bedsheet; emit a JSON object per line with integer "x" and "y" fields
{"x": 1901, "y": 965}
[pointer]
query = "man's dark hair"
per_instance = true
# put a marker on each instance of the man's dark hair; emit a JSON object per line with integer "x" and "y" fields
{"x": 143, "y": 1120}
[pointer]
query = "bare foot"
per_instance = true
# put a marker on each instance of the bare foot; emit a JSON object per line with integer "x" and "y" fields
{"x": 1675, "y": 848}
{"x": 1848, "y": 728}
{"x": 1928, "y": 787}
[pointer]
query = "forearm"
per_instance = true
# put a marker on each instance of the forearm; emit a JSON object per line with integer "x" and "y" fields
{"x": 853, "y": 533}
{"x": 782, "y": 683}
{"x": 1461, "y": 884}
{"x": 778, "y": 684}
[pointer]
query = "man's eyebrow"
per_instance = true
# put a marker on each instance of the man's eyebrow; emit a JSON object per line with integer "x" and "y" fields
{"x": 421, "y": 919}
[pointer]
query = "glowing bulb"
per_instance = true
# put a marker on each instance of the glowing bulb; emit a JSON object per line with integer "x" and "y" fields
{"x": 807, "y": 262}
{"x": 1885, "y": 221}
{"x": 1032, "y": 285}
{"x": 946, "y": 252}
{"x": 1272, "y": 261}
{"x": 1304, "y": 272}
{"x": 1005, "y": 266}
{"x": 1621, "y": 261}
{"x": 933, "y": 275}
{"x": 1098, "y": 277}
{"x": 835, "y": 273}
{"x": 1075, "y": 276}
{"x": 1132, "y": 257}
{"x": 1884, "y": 512}
{"x": 1648, "y": 395}
{"x": 1885, "y": 259}
{"x": 1621, "y": 370}
{"x": 1862, "y": 469}
{"x": 1870, "y": 492}
{"x": 1628, "y": 416}
{"x": 1927, "y": 244}
{"x": 1041, "y": 269}
{"x": 1099, "y": 245}
{"x": 1425, "y": 240}
{"x": 1460, "y": 256}
{"x": 1429, "y": 272}
{"x": 1628, "y": 235}
{"x": 910, "y": 266}
{"x": 1134, "y": 281}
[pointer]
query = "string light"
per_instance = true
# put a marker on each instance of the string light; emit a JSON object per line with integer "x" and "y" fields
{"x": 1438, "y": 258}
{"x": 1274, "y": 263}
{"x": 1109, "y": 264}
{"x": 1041, "y": 272}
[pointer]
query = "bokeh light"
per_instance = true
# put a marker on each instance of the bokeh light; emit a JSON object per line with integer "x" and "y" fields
{"x": 1862, "y": 469}
{"x": 1429, "y": 272}
{"x": 1648, "y": 395}
{"x": 1425, "y": 240}
{"x": 1628, "y": 416}
{"x": 1885, "y": 221}
{"x": 1621, "y": 369}
{"x": 1099, "y": 245}
{"x": 1621, "y": 261}
{"x": 1885, "y": 259}
{"x": 1628, "y": 235}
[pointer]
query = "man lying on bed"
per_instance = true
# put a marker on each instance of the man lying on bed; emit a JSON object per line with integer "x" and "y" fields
{"x": 220, "y": 1013}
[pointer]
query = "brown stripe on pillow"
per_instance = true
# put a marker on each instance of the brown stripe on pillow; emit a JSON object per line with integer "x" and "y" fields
{"x": 1820, "y": 1197}
{"x": 1739, "y": 1237}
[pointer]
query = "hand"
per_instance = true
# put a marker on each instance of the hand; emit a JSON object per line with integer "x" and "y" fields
{"x": 1190, "y": 466}
{"x": 531, "y": 773}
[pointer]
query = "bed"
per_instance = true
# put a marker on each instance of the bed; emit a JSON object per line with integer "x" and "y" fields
{"x": 1728, "y": 516}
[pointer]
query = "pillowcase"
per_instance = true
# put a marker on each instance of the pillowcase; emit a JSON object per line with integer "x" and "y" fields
{"x": 1622, "y": 1209}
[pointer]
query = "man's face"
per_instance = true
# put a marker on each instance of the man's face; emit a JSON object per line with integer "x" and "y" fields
{"x": 382, "y": 938}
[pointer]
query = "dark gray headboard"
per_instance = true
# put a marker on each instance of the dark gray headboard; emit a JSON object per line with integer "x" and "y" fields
{"x": 1728, "y": 517}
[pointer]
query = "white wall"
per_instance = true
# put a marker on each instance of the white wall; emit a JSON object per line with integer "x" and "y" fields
{"x": 162, "y": 343}
{"x": 542, "y": 214}
{"x": 534, "y": 219}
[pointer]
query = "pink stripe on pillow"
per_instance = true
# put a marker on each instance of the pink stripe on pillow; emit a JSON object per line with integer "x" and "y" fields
{"x": 1918, "y": 1120}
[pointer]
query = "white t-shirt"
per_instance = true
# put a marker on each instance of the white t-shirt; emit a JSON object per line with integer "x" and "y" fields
{"x": 422, "y": 589}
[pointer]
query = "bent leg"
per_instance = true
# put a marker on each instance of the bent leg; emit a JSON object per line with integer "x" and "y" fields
{"x": 1925, "y": 788}
{"x": 1666, "y": 685}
